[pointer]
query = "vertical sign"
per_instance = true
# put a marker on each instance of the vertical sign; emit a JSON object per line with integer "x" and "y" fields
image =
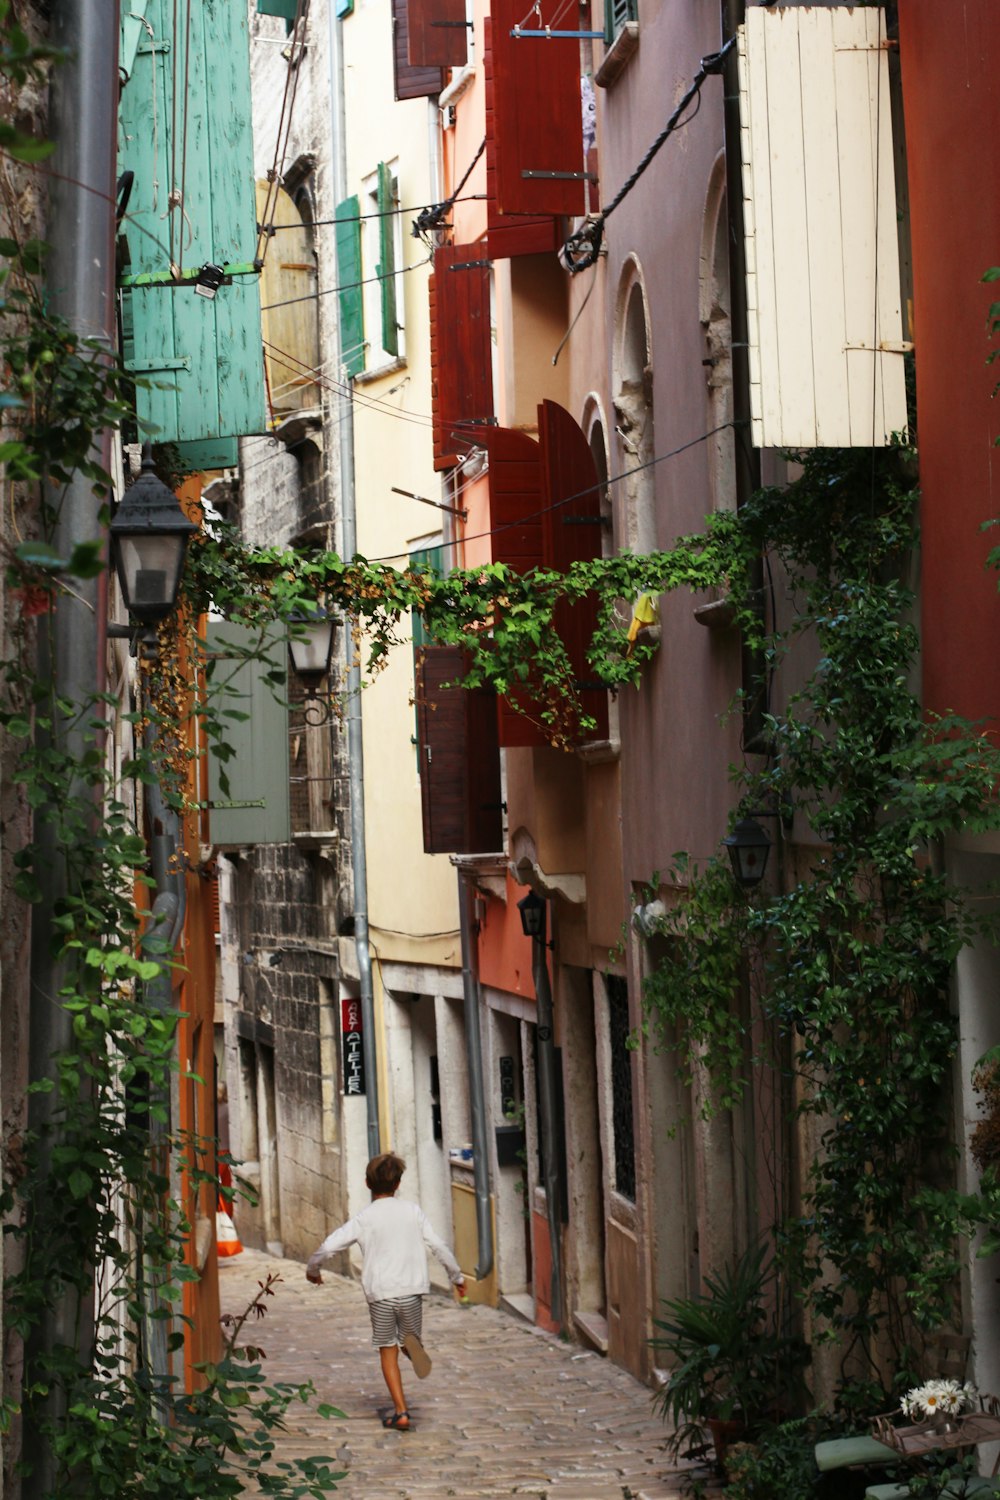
{"x": 354, "y": 1059}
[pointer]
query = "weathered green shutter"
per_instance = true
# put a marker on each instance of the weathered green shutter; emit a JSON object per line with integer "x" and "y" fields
{"x": 387, "y": 259}
{"x": 254, "y": 807}
{"x": 616, "y": 13}
{"x": 286, "y": 9}
{"x": 344, "y": 7}
{"x": 185, "y": 126}
{"x": 352, "y": 318}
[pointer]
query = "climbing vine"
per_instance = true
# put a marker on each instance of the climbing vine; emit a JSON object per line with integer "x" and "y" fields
{"x": 846, "y": 965}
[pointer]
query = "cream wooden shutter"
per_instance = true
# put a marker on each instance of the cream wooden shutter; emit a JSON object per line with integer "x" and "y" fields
{"x": 823, "y": 285}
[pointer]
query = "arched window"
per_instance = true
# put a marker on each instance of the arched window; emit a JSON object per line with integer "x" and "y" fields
{"x": 716, "y": 321}
{"x": 633, "y": 404}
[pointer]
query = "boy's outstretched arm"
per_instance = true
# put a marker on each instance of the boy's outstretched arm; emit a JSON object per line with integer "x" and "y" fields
{"x": 340, "y": 1239}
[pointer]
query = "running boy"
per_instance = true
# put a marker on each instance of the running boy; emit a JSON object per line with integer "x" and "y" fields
{"x": 394, "y": 1236}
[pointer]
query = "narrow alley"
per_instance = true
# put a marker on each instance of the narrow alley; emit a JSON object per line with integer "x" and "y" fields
{"x": 506, "y": 1410}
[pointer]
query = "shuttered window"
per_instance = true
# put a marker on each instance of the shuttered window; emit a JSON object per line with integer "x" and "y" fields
{"x": 572, "y": 531}
{"x": 509, "y": 234}
{"x": 411, "y": 81}
{"x": 438, "y": 34}
{"x": 352, "y": 324}
{"x": 823, "y": 285}
{"x": 290, "y": 315}
{"x": 616, "y": 13}
{"x": 537, "y": 114}
{"x": 461, "y": 349}
{"x": 386, "y": 197}
{"x": 545, "y": 511}
{"x": 459, "y": 757}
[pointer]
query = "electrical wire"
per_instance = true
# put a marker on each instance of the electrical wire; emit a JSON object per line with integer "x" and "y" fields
{"x": 284, "y": 130}
{"x": 348, "y": 286}
{"x": 430, "y": 218}
{"x": 381, "y": 213}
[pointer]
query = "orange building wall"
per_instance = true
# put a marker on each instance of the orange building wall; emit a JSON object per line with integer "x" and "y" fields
{"x": 952, "y": 110}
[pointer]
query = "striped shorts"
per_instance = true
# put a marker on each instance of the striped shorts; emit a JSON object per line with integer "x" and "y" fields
{"x": 395, "y": 1317}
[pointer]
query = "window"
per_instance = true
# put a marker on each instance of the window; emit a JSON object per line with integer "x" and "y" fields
{"x": 617, "y": 14}
{"x": 621, "y": 39}
{"x": 381, "y": 257}
{"x": 369, "y": 258}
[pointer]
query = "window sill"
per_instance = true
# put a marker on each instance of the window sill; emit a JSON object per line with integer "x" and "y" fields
{"x": 618, "y": 55}
{"x": 367, "y": 377}
{"x": 597, "y": 752}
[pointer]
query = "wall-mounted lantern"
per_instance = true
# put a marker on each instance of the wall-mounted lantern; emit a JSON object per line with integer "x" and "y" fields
{"x": 149, "y": 538}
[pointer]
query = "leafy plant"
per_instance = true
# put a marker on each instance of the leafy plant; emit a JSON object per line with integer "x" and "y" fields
{"x": 731, "y": 1360}
{"x": 779, "y": 1462}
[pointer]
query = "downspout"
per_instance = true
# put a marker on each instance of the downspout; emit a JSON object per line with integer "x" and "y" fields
{"x": 477, "y": 1092}
{"x": 549, "y": 1115}
{"x": 80, "y": 288}
{"x": 349, "y": 537}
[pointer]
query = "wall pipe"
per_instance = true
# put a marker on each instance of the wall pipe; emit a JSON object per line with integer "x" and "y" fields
{"x": 477, "y": 1090}
{"x": 549, "y": 1115}
{"x": 80, "y": 288}
{"x": 349, "y": 537}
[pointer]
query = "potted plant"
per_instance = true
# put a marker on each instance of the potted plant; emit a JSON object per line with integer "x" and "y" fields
{"x": 732, "y": 1367}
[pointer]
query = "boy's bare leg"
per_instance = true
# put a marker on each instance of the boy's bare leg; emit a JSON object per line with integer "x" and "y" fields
{"x": 389, "y": 1357}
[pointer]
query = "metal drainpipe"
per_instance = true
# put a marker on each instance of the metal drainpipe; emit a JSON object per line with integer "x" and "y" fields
{"x": 547, "y": 1104}
{"x": 355, "y": 740}
{"x": 79, "y": 279}
{"x": 477, "y": 1091}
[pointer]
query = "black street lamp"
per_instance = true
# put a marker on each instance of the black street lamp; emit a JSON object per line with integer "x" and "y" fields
{"x": 310, "y": 649}
{"x": 748, "y": 847}
{"x": 149, "y": 537}
{"x": 532, "y": 909}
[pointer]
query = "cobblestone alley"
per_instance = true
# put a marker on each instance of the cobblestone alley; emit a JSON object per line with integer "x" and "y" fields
{"x": 505, "y": 1411}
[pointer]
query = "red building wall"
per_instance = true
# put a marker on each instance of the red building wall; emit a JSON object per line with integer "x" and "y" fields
{"x": 950, "y": 60}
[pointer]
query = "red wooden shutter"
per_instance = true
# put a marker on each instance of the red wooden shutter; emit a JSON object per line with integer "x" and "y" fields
{"x": 461, "y": 349}
{"x": 516, "y": 501}
{"x": 537, "y": 113}
{"x": 459, "y": 757}
{"x": 510, "y": 234}
{"x": 572, "y": 530}
{"x": 438, "y": 34}
{"x": 411, "y": 82}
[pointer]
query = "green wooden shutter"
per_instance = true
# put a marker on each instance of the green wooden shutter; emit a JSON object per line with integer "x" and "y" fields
{"x": 617, "y": 12}
{"x": 286, "y": 9}
{"x": 254, "y": 807}
{"x": 200, "y": 361}
{"x": 352, "y": 317}
{"x": 387, "y": 259}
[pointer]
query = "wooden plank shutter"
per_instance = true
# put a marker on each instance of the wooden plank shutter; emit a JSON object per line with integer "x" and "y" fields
{"x": 438, "y": 34}
{"x": 537, "y": 115}
{"x": 411, "y": 82}
{"x": 290, "y": 321}
{"x": 459, "y": 757}
{"x": 386, "y": 268}
{"x": 516, "y": 501}
{"x": 352, "y": 318}
{"x": 616, "y": 13}
{"x": 509, "y": 234}
{"x": 461, "y": 349}
{"x": 572, "y": 530}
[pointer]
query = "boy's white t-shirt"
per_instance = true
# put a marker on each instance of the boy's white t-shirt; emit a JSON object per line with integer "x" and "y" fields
{"x": 394, "y": 1236}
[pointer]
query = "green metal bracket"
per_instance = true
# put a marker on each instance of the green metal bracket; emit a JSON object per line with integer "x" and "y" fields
{"x": 188, "y": 278}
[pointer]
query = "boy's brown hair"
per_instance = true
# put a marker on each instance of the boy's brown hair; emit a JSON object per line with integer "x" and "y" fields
{"x": 384, "y": 1172}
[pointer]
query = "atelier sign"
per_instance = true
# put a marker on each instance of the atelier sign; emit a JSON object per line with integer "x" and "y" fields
{"x": 353, "y": 1050}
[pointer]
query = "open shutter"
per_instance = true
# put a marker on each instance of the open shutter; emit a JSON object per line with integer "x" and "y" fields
{"x": 352, "y": 319}
{"x": 438, "y": 34}
{"x": 199, "y": 358}
{"x": 461, "y": 349}
{"x": 412, "y": 82}
{"x": 516, "y": 501}
{"x": 572, "y": 529}
{"x": 459, "y": 757}
{"x": 509, "y": 234}
{"x": 537, "y": 115}
{"x": 248, "y": 801}
{"x": 290, "y": 313}
{"x": 386, "y": 268}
